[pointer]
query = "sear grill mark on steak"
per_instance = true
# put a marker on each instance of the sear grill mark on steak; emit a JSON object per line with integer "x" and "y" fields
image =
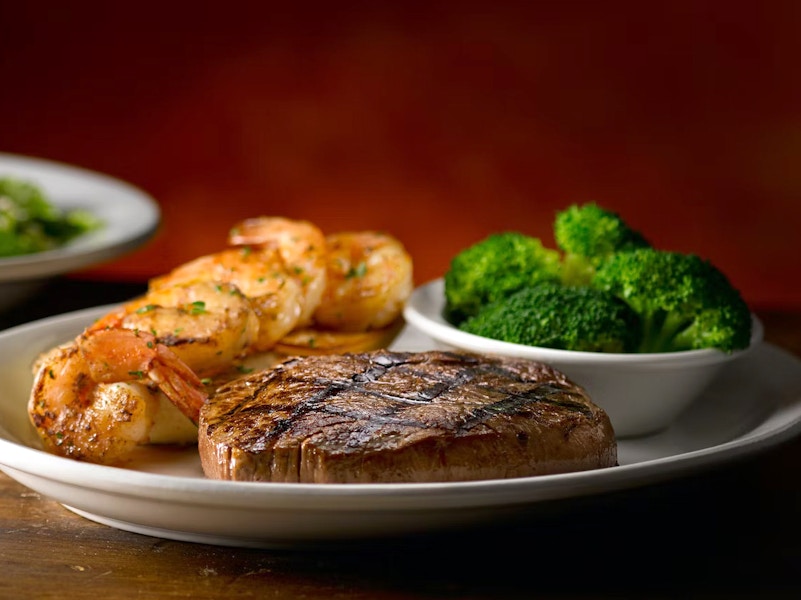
{"x": 549, "y": 394}
{"x": 509, "y": 404}
{"x": 401, "y": 416}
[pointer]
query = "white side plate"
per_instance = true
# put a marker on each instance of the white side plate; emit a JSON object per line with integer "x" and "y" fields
{"x": 130, "y": 217}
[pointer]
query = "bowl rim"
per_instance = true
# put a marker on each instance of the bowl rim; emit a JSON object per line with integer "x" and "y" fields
{"x": 424, "y": 310}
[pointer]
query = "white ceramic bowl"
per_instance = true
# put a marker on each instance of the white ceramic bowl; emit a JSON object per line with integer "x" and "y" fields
{"x": 641, "y": 393}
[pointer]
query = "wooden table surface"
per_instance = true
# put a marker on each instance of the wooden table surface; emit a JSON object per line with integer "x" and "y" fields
{"x": 734, "y": 531}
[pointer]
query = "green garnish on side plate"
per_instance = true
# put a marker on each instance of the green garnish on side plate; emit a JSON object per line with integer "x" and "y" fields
{"x": 30, "y": 223}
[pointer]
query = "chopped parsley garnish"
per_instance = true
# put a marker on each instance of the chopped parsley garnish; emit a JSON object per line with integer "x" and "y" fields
{"x": 359, "y": 270}
{"x": 197, "y": 308}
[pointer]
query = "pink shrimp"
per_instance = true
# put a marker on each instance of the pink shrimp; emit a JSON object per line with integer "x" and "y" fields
{"x": 96, "y": 399}
{"x": 302, "y": 248}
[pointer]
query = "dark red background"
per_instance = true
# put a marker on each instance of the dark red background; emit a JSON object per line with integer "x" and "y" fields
{"x": 439, "y": 122}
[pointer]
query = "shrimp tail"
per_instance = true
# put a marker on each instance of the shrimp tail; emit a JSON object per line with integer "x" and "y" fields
{"x": 179, "y": 383}
{"x": 125, "y": 355}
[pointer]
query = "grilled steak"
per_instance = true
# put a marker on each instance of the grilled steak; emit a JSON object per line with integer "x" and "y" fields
{"x": 387, "y": 416}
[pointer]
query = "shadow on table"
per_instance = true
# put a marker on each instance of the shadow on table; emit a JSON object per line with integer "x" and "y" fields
{"x": 672, "y": 540}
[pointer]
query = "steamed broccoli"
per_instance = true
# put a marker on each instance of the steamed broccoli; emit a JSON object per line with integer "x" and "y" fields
{"x": 558, "y": 316}
{"x": 494, "y": 268}
{"x": 683, "y": 301}
{"x": 588, "y": 235}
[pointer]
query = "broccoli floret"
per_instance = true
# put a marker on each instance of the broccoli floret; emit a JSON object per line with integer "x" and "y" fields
{"x": 557, "y": 316}
{"x": 494, "y": 268}
{"x": 588, "y": 235}
{"x": 683, "y": 301}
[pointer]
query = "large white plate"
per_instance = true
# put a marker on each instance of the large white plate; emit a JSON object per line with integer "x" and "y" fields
{"x": 748, "y": 409}
{"x": 130, "y": 218}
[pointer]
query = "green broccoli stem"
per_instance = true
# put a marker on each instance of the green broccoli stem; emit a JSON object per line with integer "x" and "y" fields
{"x": 661, "y": 330}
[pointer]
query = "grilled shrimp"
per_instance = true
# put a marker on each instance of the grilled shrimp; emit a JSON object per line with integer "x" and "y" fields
{"x": 301, "y": 245}
{"x": 97, "y": 398}
{"x": 260, "y": 274}
{"x": 208, "y": 325}
{"x": 369, "y": 279}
